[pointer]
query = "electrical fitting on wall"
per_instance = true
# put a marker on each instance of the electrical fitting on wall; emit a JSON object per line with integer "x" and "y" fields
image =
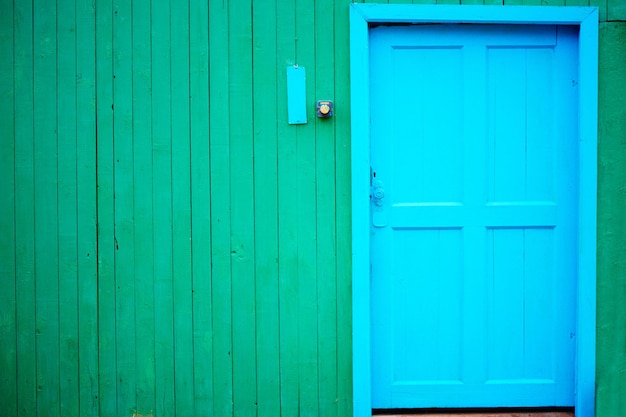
{"x": 325, "y": 108}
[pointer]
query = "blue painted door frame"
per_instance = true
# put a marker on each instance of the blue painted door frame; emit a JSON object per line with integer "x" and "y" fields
{"x": 587, "y": 20}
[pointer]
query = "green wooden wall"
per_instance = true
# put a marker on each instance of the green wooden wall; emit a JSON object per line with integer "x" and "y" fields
{"x": 170, "y": 245}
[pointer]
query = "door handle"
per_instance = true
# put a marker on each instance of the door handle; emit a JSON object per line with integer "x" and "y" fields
{"x": 379, "y": 215}
{"x": 378, "y": 193}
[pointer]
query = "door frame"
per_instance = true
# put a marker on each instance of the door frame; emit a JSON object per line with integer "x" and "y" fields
{"x": 586, "y": 18}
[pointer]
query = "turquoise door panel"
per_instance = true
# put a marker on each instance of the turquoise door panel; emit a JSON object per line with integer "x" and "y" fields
{"x": 474, "y": 235}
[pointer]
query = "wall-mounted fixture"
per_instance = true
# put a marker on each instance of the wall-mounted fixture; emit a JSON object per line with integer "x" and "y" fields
{"x": 296, "y": 95}
{"x": 325, "y": 108}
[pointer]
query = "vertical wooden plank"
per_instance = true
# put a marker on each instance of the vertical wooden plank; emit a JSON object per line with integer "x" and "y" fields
{"x": 552, "y": 2}
{"x": 266, "y": 206}
{"x": 46, "y": 208}
{"x": 67, "y": 195}
{"x": 448, "y": 1}
{"x": 181, "y": 205}
{"x": 143, "y": 207}
{"x": 616, "y": 10}
{"x": 162, "y": 203}
{"x": 220, "y": 209}
{"x": 343, "y": 209}
{"x": 8, "y": 300}
{"x": 242, "y": 208}
{"x": 200, "y": 208}
{"x": 326, "y": 262}
{"x": 86, "y": 210}
{"x": 123, "y": 185}
{"x": 25, "y": 207}
{"x": 306, "y": 219}
{"x": 287, "y": 220}
{"x": 471, "y": 2}
{"x": 611, "y": 223}
{"x": 577, "y": 2}
{"x": 105, "y": 198}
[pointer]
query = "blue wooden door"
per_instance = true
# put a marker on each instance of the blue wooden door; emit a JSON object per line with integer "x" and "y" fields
{"x": 474, "y": 234}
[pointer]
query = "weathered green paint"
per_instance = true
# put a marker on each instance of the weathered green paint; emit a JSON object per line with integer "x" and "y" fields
{"x": 68, "y": 212}
{"x": 24, "y": 209}
{"x": 123, "y": 187}
{"x": 220, "y": 208}
{"x": 46, "y": 200}
{"x": 181, "y": 224}
{"x": 200, "y": 216}
{"x": 86, "y": 257}
{"x": 164, "y": 147}
{"x": 143, "y": 170}
{"x": 616, "y": 10}
{"x": 8, "y": 316}
{"x": 170, "y": 245}
{"x": 611, "y": 345}
{"x": 105, "y": 205}
{"x": 266, "y": 232}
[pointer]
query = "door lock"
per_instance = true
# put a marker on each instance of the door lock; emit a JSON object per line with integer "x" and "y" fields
{"x": 378, "y": 193}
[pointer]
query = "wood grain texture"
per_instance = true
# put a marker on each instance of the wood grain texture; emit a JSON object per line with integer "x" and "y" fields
{"x": 123, "y": 206}
{"x": 181, "y": 212}
{"x": 143, "y": 172}
{"x": 577, "y": 3}
{"x": 265, "y": 206}
{"x": 162, "y": 203}
{"x": 305, "y": 220}
{"x": 86, "y": 211}
{"x": 107, "y": 356}
{"x": 611, "y": 342}
{"x": 343, "y": 207}
{"x": 287, "y": 216}
{"x": 219, "y": 142}
{"x": 616, "y": 10}
{"x": 47, "y": 319}
{"x": 26, "y": 378}
{"x": 325, "y": 215}
{"x": 242, "y": 249}
{"x": 200, "y": 208}
{"x": 67, "y": 206}
{"x": 8, "y": 283}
